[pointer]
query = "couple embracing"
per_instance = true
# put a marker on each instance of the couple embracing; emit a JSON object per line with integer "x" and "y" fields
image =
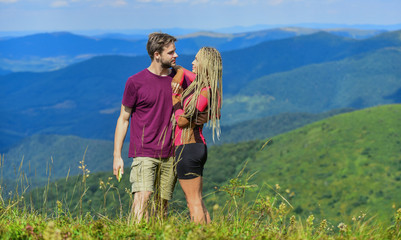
{"x": 167, "y": 107}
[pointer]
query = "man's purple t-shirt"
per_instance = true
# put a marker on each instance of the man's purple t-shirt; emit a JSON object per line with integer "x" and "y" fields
{"x": 149, "y": 96}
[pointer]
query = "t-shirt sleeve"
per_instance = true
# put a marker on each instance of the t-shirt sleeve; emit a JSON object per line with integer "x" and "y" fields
{"x": 130, "y": 94}
{"x": 189, "y": 75}
{"x": 201, "y": 104}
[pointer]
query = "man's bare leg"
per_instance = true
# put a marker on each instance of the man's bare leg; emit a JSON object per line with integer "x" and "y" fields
{"x": 140, "y": 206}
{"x": 160, "y": 208}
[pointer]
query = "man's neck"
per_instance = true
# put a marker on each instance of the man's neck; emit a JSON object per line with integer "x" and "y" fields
{"x": 155, "y": 68}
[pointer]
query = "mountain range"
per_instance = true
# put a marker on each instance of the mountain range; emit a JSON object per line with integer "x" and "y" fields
{"x": 49, "y": 51}
{"x": 310, "y": 73}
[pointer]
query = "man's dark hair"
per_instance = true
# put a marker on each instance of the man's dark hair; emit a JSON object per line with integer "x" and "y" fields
{"x": 157, "y": 41}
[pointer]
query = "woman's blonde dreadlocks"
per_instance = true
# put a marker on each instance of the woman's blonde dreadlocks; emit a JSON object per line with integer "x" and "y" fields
{"x": 209, "y": 74}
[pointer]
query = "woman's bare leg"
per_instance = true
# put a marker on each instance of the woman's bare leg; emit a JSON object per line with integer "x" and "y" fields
{"x": 193, "y": 193}
{"x": 208, "y": 219}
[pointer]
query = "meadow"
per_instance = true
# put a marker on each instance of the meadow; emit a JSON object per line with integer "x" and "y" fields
{"x": 51, "y": 212}
{"x": 337, "y": 178}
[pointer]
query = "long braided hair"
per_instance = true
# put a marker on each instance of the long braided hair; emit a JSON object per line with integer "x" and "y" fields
{"x": 209, "y": 74}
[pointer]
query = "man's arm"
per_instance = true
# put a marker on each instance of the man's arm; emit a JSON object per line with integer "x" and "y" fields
{"x": 176, "y": 82}
{"x": 177, "y": 108}
{"x": 121, "y": 132}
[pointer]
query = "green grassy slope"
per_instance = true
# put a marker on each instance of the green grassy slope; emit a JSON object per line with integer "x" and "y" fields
{"x": 341, "y": 166}
{"x": 336, "y": 168}
{"x": 270, "y": 126}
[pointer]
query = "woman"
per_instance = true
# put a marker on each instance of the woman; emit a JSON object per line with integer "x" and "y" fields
{"x": 203, "y": 96}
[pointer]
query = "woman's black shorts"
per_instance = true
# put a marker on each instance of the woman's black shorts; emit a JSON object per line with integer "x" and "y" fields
{"x": 190, "y": 159}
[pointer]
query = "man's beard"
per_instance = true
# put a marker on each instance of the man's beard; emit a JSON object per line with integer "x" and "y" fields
{"x": 167, "y": 64}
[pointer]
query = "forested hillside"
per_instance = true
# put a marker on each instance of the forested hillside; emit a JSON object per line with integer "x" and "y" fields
{"x": 337, "y": 168}
{"x": 360, "y": 81}
{"x": 35, "y": 154}
{"x": 266, "y": 127}
{"x": 342, "y": 166}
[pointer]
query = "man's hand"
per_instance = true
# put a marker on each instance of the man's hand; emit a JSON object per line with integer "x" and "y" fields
{"x": 201, "y": 119}
{"x": 176, "y": 67}
{"x": 176, "y": 99}
{"x": 176, "y": 87}
{"x": 175, "y": 83}
{"x": 118, "y": 163}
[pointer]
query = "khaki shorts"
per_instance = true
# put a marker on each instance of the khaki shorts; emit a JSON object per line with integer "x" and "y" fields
{"x": 153, "y": 175}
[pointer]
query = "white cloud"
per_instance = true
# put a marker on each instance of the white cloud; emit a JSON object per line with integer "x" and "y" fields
{"x": 120, "y": 3}
{"x": 232, "y": 2}
{"x": 59, "y": 4}
{"x": 162, "y": 1}
{"x": 113, "y": 3}
{"x": 88, "y": 3}
{"x": 275, "y": 2}
{"x": 8, "y": 1}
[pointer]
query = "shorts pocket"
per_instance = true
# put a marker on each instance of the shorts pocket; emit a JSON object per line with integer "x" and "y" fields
{"x": 136, "y": 170}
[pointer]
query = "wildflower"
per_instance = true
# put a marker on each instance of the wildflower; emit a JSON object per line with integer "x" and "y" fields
{"x": 216, "y": 207}
{"x": 342, "y": 227}
{"x": 277, "y": 186}
{"x": 85, "y": 171}
{"x": 29, "y": 229}
{"x": 309, "y": 223}
{"x": 292, "y": 220}
{"x": 323, "y": 225}
{"x": 310, "y": 220}
{"x": 398, "y": 215}
{"x": 282, "y": 208}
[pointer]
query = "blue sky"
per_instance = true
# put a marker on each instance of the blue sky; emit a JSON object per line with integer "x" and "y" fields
{"x": 73, "y": 15}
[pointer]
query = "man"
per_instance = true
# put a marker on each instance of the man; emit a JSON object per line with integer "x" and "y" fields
{"x": 147, "y": 101}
